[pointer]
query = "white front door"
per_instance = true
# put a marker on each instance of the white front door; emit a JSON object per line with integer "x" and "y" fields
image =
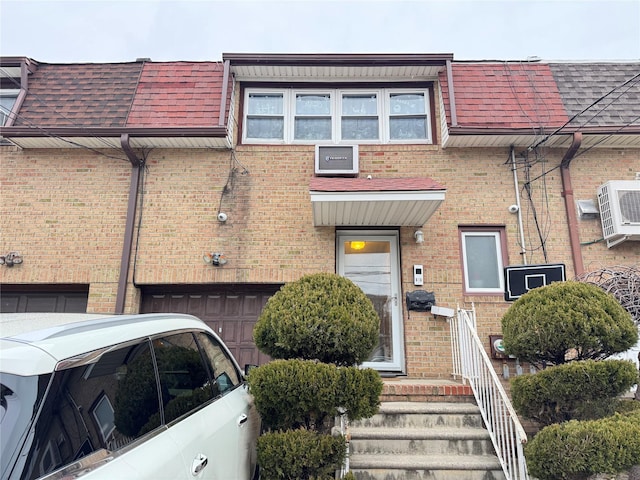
{"x": 370, "y": 260}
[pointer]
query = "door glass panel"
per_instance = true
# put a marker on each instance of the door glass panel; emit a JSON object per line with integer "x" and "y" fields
{"x": 370, "y": 263}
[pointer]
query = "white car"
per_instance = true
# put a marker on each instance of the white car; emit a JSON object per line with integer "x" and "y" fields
{"x": 150, "y": 396}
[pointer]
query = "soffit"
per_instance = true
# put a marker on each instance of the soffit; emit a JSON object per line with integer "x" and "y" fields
{"x": 110, "y": 138}
{"x": 374, "y": 202}
{"x": 468, "y": 138}
{"x": 336, "y": 67}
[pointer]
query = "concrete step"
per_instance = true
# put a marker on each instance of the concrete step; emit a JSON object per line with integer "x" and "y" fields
{"x": 424, "y": 414}
{"x": 423, "y": 440}
{"x": 432, "y": 441}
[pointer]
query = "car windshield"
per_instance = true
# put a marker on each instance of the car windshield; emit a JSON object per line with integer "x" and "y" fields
{"x": 19, "y": 400}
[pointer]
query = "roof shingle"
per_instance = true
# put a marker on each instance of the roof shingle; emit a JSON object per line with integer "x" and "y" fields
{"x": 79, "y": 95}
{"x": 504, "y": 95}
{"x": 178, "y": 94}
{"x": 582, "y": 84}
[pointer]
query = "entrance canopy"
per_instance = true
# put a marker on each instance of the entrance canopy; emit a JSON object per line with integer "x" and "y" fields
{"x": 338, "y": 201}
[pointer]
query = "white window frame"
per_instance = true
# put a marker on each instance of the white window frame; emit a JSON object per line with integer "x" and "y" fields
{"x": 497, "y": 234}
{"x": 11, "y": 93}
{"x": 106, "y": 428}
{"x": 383, "y": 96}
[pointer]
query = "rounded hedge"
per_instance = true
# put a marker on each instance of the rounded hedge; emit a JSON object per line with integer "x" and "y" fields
{"x": 321, "y": 316}
{"x": 577, "y": 390}
{"x": 300, "y": 455}
{"x": 567, "y": 321}
{"x": 304, "y": 393}
{"x": 579, "y": 449}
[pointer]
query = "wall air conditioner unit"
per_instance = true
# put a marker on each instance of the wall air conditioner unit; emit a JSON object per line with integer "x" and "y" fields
{"x": 619, "y": 203}
{"x": 337, "y": 160}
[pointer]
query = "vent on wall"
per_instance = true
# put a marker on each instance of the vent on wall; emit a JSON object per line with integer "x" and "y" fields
{"x": 337, "y": 160}
{"x": 619, "y": 203}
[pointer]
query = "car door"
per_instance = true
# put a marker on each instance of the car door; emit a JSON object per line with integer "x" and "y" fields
{"x": 193, "y": 384}
{"x": 102, "y": 420}
{"x": 234, "y": 392}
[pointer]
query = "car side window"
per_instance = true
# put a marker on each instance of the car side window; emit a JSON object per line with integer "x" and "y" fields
{"x": 103, "y": 405}
{"x": 225, "y": 374}
{"x": 185, "y": 381}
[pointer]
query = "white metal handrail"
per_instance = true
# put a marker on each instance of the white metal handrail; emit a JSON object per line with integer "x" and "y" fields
{"x": 472, "y": 364}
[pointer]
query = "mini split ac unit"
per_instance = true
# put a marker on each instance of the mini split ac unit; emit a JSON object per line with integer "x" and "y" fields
{"x": 337, "y": 160}
{"x": 619, "y": 203}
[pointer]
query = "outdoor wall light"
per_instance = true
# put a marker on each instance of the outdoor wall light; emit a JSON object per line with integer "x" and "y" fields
{"x": 215, "y": 259}
{"x": 11, "y": 259}
{"x": 419, "y": 236}
{"x": 358, "y": 244}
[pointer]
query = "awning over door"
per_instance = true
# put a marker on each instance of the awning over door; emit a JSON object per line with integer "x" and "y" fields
{"x": 338, "y": 201}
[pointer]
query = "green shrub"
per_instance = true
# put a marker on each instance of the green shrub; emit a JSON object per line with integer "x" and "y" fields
{"x": 322, "y": 316}
{"x": 300, "y": 455}
{"x": 578, "y": 449}
{"x": 567, "y": 321}
{"x": 578, "y": 390}
{"x": 309, "y": 394}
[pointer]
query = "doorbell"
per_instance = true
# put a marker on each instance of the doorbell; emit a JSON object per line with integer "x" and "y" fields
{"x": 418, "y": 276}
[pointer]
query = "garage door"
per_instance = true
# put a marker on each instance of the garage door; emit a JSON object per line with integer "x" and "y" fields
{"x": 231, "y": 312}
{"x": 43, "y": 299}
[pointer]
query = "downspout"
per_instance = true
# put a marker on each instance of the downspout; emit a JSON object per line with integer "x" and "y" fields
{"x": 523, "y": 247}
{"x": 567, "y": 193}
{"x": 125, "y": 260}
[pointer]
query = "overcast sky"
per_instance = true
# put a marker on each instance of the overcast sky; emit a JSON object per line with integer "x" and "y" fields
{"x": 113, "y": 31}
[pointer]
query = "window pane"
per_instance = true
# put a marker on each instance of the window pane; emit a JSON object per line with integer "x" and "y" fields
{"x": 265, "y": 104}
{"x": 315, "y": 104}
{"x": 407, "y": 104}
{"x": 482, "y": 261}
{"x": 184, "y": 380}
{"x": 313, "y": 129}
{"x": 359, "y": 104}
{"x": 6, "y": 104}
{"x": 401, "y": 128}
{"x": 272, "y": 128}
{"x": 101, "y": 406}
{"x": 360, "y": 129}
{"x": 224, "y": 372}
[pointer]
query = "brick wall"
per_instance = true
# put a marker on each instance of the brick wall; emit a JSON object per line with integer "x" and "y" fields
{"x": 65, "y": 210}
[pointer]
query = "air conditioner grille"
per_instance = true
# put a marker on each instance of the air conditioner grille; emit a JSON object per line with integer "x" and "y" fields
{"x": 629, "y": 201}
{"x": 604, "y": 200}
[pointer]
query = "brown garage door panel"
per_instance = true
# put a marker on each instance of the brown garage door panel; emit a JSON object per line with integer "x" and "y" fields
{"x": 25, "y": 301}
{"x": 231, "y": 312}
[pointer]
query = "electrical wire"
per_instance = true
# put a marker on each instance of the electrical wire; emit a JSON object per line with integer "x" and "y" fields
{"x": 70, "y": 142}
{"x": 43, "y": 102}
{"x": 556, "y": 131}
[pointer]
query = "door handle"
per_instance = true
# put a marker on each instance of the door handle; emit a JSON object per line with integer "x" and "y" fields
{"x": 198, "y": 464}
{"x": 242, "y": 419}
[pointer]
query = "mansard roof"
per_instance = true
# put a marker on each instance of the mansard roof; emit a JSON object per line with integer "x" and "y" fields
{"x": 187, "y": 104}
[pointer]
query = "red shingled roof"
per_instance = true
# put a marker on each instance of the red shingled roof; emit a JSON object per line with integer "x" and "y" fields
{"x": 504, "y": 95}
{"x": 178, "y": 94}
{"x": 339, "y": 184}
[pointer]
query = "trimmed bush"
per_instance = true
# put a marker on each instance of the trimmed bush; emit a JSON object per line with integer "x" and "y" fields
{"x": 322, "y": 317}
{"x": 578, "y": 449}
{"x": 578, "y": 390}
{"x": 309, "y": 394}
{"x": 567, "y": 321}
{"x": 300, "y": 455}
